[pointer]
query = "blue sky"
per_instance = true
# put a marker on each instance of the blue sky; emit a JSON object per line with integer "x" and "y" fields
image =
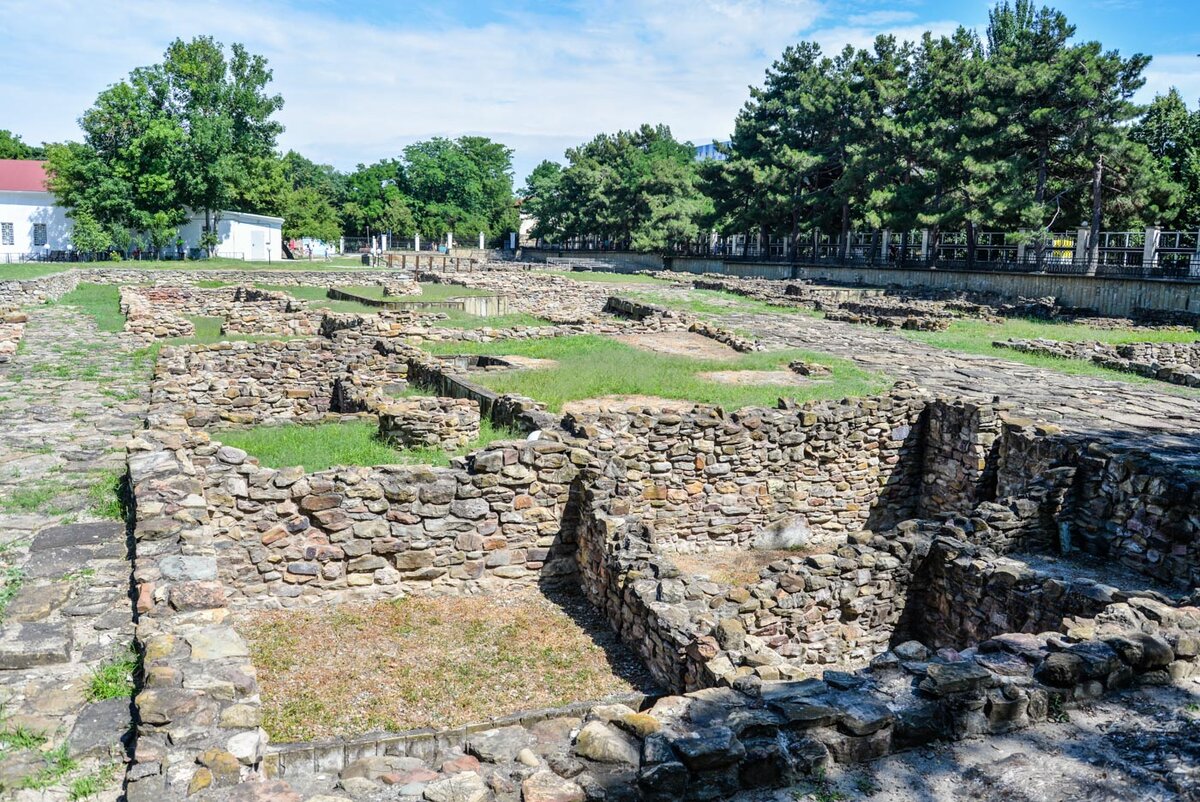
{"x": 361, "y": 80}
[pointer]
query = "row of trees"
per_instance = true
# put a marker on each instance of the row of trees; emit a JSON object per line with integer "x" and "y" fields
{"x": 196, "y": 134}
{"x": 1021, "y": 129}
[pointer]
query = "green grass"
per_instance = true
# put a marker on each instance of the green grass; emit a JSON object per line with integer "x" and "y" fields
{"x": 106, "y": 496}
{"x": 605, "y": 278}
{"x": 24, "y": 272}
{"x": 101, "y": 302}
{"x": 113, "y": 679}
{"x": 592, "y": 367}
{"x": 33, "y": 498}
{"x": 92, "y": 784}
{"x": 718, "y": 302}
{"x": 316, "y": 448}
{"x": 11, "y": 579}
{"x": 977, "y": 336}
{"x": 317, "y": 299}
{"x": 58, "y": 763}
{"x": 16, "y": 738}
{"x": 429, "y": 292}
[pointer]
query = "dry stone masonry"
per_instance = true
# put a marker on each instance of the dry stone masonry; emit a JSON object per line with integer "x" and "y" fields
{"x": 430, "y": 422}
{"x": 12, "y": 328}
{"x": 1177, "y": 363}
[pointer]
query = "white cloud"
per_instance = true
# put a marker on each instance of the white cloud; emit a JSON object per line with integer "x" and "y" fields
{"x": 1179, "y": 71}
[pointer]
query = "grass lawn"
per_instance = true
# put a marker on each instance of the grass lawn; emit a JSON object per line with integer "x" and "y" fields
{"x": 977, "y": 336}
{"x": 317, "y": 299}
{"x": 23, "y": 271}
{"x": 425, "y": 662}
{"x": 606, "y": 278}
{"x": 326, "y": 445}
{"x": 101, "y": 302}
{"x": 593, "y": 367}
{"x": 430, "y": 291}
{"x": 718, "y": 302}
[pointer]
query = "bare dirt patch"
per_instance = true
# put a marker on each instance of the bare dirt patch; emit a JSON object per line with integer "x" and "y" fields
{"x": 733, "y": 567}
{"x": 680, "y": 343}
{"x": 529, "y": 362}
{"x": 430, "y": 662}
{"x": 782, "y": 378}
{"x": 622, "y": 403}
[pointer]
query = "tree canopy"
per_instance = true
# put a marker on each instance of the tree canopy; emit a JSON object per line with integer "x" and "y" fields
{"x": 12, "y": 147}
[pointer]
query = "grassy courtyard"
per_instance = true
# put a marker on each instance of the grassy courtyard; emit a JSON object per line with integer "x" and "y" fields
{"x": 316, "y": 448}
{"x": 590, "y": 366}
{"x": 436, "y": 662}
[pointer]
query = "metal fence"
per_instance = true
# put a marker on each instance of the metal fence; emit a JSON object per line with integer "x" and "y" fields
{"x": 172, "y": 255}
{"x": 1172, "y": 255}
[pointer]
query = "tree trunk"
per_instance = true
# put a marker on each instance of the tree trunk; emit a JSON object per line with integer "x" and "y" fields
{"x": 1038, "y": 196}
{"x": 1093, "y": 242}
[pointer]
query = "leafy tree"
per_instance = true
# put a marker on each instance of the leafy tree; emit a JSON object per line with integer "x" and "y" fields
{"x": 88, "y": 236}
{"x": 635, "y": 189}
{"x": 1171, "y": 135}
{"x": 193, "y": 132}
{"x": 11, "y": 147}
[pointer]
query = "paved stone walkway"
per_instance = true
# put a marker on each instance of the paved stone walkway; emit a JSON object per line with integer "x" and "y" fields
{"x": 68, "y": 401}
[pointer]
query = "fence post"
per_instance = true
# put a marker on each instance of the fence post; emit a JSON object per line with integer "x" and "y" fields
{"x": 925, "y": 249}
{"x": 1021, "y": 248}
{"x": 1194, "y": 267}
{"x": 1082, "y": 253}
{"x": 885, "y": 247}
{"x": 1150, "y": 248}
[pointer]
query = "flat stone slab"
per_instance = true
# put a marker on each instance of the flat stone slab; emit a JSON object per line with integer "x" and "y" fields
{"x": 100, "y": 729}
{"x": 35, "y": 602}
{"x": 34, "y": 644}
{"x": 72, "y": 535}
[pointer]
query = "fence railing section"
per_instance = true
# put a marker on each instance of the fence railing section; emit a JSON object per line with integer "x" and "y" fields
{"x": 1136, "y": 254}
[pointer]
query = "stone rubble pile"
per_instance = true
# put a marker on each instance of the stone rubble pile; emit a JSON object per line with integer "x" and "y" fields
{"x": 12, "y": 328}
{"x": 424, "y": 422}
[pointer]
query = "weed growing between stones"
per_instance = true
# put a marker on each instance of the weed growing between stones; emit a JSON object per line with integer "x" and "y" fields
{"x": 57, "y": 764}
{"x": 114, "y": 679}
{"x": 92, "y": 784}
{"x": 107, "y": 494}
{"x": 19, "y": 737}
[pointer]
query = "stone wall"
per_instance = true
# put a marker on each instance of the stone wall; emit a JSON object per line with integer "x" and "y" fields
{"x": 960, "y": 468}
{"x": 31, "y": 292}
{"x": 709, "y": 479}
{"x": 490, "y": 519}
{"x": 250, "y": 383}
{"x": 429, "y": 422}
{"x": 164, "y": 311}
{"x": 1177, "y": 363}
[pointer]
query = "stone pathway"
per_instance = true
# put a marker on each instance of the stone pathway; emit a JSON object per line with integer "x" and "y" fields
{"x": 68, "y": 401}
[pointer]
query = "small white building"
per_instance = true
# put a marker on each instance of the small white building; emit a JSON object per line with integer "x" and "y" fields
{"x": 34, "y": 226}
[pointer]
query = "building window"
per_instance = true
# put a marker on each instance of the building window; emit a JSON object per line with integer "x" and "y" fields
{"x": 6, "y": 234}
{"x": 39, "y": 234}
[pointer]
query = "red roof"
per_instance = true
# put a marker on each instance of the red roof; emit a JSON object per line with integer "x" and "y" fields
{"x": 22, "y": 175}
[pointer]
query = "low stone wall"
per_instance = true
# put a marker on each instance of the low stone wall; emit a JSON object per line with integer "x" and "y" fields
{"x": 198, "y": 708}
{"x": 446, "y": 423}
{"x": 160, "y": 312}
{"x": 33, "y": 292}
{"x": 12, "y": 329}
{"x": 251, "y": 383}
{"x": 959, "y": 459}
{"x": 146, "y": 317}
{"x": 493, "y": 518}
{"x": 1177, "y": 363}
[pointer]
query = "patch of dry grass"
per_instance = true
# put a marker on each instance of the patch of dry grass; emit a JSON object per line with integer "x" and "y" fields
{"x": 425, "y": 662}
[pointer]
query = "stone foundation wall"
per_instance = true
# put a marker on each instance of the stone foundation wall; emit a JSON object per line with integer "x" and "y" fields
{"x": 161, "y": 312}
{"x": 707, "y": 479}
{"x": 959, "y": 463}
{"x": 446, "y": 423}
{"x": 493, "y": 518}
{"x": 32, "y": 292}
{"x": 251, "y": 383}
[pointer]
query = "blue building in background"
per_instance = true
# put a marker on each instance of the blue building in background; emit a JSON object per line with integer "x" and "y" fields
{"x": 709, "y": 151}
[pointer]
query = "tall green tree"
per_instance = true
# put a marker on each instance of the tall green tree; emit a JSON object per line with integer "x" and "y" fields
{"x": 11, "y": 147}
{"x": 1171, "y": 135}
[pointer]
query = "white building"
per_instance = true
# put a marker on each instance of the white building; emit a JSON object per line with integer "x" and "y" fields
{"x": 34, "y": 226}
